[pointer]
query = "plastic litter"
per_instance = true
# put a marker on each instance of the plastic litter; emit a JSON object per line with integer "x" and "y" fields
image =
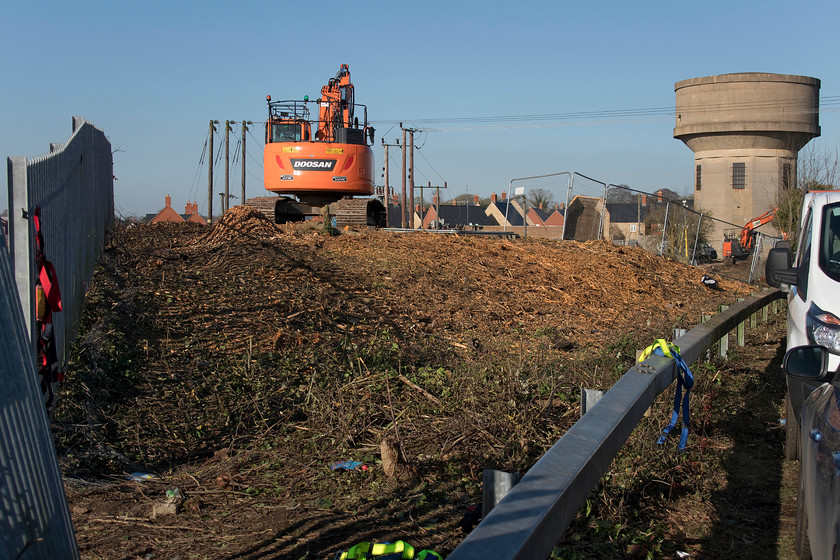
{"x": 348, "y": 466}
{"x": 140, "y": 477}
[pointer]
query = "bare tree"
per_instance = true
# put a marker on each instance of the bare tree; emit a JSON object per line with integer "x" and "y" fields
{"x": 621, "y": 193}
{"x": 540, "y": 198}
{"x": 818, "y": 169}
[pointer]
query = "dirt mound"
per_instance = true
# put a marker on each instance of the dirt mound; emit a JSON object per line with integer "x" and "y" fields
{"x": 259, "y": 364}
{"x": 240, "y": 222}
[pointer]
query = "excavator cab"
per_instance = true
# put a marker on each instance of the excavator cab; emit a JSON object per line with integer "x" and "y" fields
{"x": 733, "y": 249}
{"x": 288, "y": 121}
{"x": 288, "y": 131}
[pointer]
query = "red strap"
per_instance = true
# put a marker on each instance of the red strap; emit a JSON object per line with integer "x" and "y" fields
{"x": 47, "y": 277}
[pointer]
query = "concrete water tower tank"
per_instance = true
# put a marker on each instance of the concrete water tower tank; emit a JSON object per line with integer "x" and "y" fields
{"x": 745, "y": 131}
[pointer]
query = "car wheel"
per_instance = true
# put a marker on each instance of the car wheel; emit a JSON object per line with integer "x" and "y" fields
{"x": 801, "y": 544}
{"x": 791, "y": 431}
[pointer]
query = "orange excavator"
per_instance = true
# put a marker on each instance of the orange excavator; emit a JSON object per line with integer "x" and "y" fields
{"x": 738, "y": 244}
{"x": 318, "y": 167}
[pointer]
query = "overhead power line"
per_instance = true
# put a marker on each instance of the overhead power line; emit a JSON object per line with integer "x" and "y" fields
{"x": 621, "y": 116}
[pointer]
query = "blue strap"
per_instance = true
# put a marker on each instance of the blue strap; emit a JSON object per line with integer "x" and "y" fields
{"x": 684, "y": 379}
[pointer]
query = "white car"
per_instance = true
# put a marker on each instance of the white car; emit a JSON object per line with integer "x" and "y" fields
{"x": 813, "y": 285}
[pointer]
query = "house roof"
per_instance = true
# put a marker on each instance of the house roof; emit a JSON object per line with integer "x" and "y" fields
{"x": 514, "y": 218}
{"x": 543, "y": 215}
{"x": 464, "y": 215}
{"x": 626, "y": 212}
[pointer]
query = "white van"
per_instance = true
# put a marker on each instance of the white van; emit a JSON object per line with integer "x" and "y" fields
{"x": 813, "y": 285}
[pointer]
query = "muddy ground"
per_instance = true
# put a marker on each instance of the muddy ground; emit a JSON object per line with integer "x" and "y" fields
{"x": 234, "y": 365}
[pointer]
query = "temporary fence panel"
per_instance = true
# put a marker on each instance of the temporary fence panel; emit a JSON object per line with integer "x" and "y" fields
{"x": 532, "y": 517}
{"x": 34, "y": 517}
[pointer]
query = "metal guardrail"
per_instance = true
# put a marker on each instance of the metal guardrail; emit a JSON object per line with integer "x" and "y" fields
{"x": 530, "y": 520}
{"x": 34, "y": 518}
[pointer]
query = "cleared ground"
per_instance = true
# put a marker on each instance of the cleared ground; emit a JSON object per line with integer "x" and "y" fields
{"x": 238, "y": 363}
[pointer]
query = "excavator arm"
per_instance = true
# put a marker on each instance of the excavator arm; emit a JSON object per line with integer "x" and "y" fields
{"x": 336, "y": 105}
{"x": 748, "y": 231}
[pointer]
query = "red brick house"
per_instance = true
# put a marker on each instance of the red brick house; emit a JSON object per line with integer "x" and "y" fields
{"x": 168, "y": 214}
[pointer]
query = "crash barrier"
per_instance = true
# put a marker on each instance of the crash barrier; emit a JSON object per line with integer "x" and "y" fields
{"x": 74, "y": 188}
{"x": 529, "y": 521}
{"x": 34, "y": 517}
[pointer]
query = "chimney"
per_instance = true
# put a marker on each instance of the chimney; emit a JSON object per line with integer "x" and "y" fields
{"x": 541, "y": 205}
{"x": 561, "y": 205}
{"x": 659, "y": 195}
{"x": 504, "y": 196}
{"x": 188, "y": 208}
{"x": 475, "y": 200}
{"x": 493, "y": 198}
{"x": 644, "y": 200}
{"x": 168, "y": 200}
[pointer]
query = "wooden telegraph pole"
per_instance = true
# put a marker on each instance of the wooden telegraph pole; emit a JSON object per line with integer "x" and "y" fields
{"x": 387, "y": 198}
{"x": 411, "y": 178}
{"x": 244, "y": 129}
{"x": 210, "y": 175}
{"x": 403, "y": 202}
{"x": 226, "y": 199}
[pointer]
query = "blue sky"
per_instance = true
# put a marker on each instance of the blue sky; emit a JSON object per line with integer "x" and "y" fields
{"x": 153, "y": 74}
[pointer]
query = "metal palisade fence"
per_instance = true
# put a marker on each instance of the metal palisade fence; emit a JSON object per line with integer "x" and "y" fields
{"x": 34, "y": 518}
{"x": 74, "y": 190}
{"x": 73, "y": 186}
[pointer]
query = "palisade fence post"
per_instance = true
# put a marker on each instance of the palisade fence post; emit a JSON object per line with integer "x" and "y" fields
{"x": 21, "y": 242}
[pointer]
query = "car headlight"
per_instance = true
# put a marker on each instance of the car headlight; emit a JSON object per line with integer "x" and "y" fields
{"x": 823, "y": 328}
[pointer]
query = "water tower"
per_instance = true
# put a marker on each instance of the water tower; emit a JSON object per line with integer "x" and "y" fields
{"x": 746, "y": 131}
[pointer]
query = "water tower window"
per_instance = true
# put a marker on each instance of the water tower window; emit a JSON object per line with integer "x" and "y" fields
{"x": 739, "y": 175}
{"x": 786, "y": 176}
{"x": 697, "y": 182}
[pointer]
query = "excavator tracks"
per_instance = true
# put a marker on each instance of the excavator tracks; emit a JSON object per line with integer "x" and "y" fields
{"x": 358, "y": 212}
{"x": 347, "y": 212}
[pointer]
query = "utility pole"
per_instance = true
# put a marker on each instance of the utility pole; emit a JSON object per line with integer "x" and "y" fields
{"x": 244, "y": 129}
{"x": 210, "y": 175}
{"x": 404, "y": 199}
{"x": 387, "y": 183}
{"x": 411, "y": 176}
{"x": 437, "y": 210}
{"x": 226, "y": 200}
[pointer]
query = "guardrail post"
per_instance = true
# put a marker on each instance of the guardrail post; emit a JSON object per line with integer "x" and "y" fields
{"x": 703, "y": 320}
{"x": 741, "y": 330}
{"x": 724, "y": 341}
{"x": 496, "y": 486}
